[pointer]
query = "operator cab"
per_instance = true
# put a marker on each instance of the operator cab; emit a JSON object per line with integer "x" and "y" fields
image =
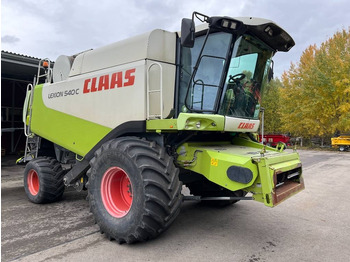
{"x": 225, "y": 65}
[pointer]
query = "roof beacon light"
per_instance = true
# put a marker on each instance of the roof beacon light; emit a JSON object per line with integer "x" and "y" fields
{"x": 45, "y": 64}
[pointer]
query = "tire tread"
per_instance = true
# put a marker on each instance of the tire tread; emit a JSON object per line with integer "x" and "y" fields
{"x": 50, "y": 174}
{"x": 161, "y": 185}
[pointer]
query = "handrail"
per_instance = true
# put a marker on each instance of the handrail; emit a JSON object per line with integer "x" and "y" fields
{"x": 48, "y": 71}
{"x": 28, "y": 104}
{"x": 30, "y": 93}
{"x": 160, "y": 90}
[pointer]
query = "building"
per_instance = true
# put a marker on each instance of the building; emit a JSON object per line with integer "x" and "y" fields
{"x": 17, "y": 71}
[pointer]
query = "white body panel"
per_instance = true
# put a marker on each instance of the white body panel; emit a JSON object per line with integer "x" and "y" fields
{"x": 61, "y": 68}
{"x": 108, "y": 85}
{"x": 156, "y": 45}
{"x": 233, "y": 124}
{"x": 109, "y": 107}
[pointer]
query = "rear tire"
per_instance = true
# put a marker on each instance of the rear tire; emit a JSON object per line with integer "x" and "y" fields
{"x": 342, "y": 148}
{"x": 43, "y": 180}
{"x": 134, "y": 189}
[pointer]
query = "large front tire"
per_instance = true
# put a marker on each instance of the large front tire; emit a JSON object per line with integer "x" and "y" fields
{"x": 134, "y": 189}
{"x": 43, "y": 180}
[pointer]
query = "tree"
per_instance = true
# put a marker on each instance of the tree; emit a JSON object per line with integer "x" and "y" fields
{"x": 272, "y": 105}
{"x": 333, "y": 74}
{"x": 316, "y": 91}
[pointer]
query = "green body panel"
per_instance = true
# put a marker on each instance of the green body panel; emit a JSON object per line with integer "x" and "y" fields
{"x": 212, "y": 160}
{"x": 70, "y": 132}
{"x": 268, "y": 166}
{"x": 159, "y": 125}
{"x": 188, "y": 121}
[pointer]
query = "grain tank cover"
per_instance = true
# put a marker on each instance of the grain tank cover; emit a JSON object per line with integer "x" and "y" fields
{"x": 158, "y": 45}
{"x": 62, "y": 68}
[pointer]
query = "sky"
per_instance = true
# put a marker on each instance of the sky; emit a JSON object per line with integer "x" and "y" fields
{"x": 49, "y": 28}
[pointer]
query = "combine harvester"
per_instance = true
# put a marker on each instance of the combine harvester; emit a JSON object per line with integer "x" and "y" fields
{"x": 139, "y": 118}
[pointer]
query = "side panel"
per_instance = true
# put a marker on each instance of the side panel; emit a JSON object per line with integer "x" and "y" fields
{"x": 77, "y": 113}
{"x": 213, "y": 159}
{"x": 73, "y": 133}
{"x": 234, "y": 124}
{"x": 106, "y": 97}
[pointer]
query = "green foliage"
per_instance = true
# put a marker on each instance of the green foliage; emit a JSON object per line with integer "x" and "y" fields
{"x": 315, "y": 97}
{"x": 272, "y": 105}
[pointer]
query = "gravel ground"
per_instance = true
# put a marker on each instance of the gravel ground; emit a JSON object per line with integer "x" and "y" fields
{"x": 311, "y": 226}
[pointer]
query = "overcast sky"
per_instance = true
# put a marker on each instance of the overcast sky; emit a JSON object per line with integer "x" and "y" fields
{"x": 49, "y": 28}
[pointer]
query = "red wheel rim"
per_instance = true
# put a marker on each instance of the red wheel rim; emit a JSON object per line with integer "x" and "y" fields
{"x": 116, "y": 192}
{"x": 33, "y": 182}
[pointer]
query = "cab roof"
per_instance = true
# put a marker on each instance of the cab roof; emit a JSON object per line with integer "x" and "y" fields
{"x": 266, "y": 30}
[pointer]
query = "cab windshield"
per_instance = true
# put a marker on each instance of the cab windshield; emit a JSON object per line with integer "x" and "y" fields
{"x": 223, "y": 84}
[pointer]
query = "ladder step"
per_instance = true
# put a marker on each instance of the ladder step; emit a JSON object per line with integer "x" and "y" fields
{"x": 32, "y": 147}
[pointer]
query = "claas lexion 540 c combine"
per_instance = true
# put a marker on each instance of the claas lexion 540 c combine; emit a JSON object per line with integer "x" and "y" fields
{"x": 134, "y": 121}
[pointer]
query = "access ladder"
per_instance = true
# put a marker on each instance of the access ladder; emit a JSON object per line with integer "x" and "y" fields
{"x": 33, "y": 141}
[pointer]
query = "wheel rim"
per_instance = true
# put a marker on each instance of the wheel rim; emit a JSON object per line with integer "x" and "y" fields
{"x": 116, "y": 192}
{"x": 33, "y": 182}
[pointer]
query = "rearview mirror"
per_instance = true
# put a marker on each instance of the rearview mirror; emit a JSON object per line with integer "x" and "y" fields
{"x": 270, "y": 74}
{"x": 187, "y": 32}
